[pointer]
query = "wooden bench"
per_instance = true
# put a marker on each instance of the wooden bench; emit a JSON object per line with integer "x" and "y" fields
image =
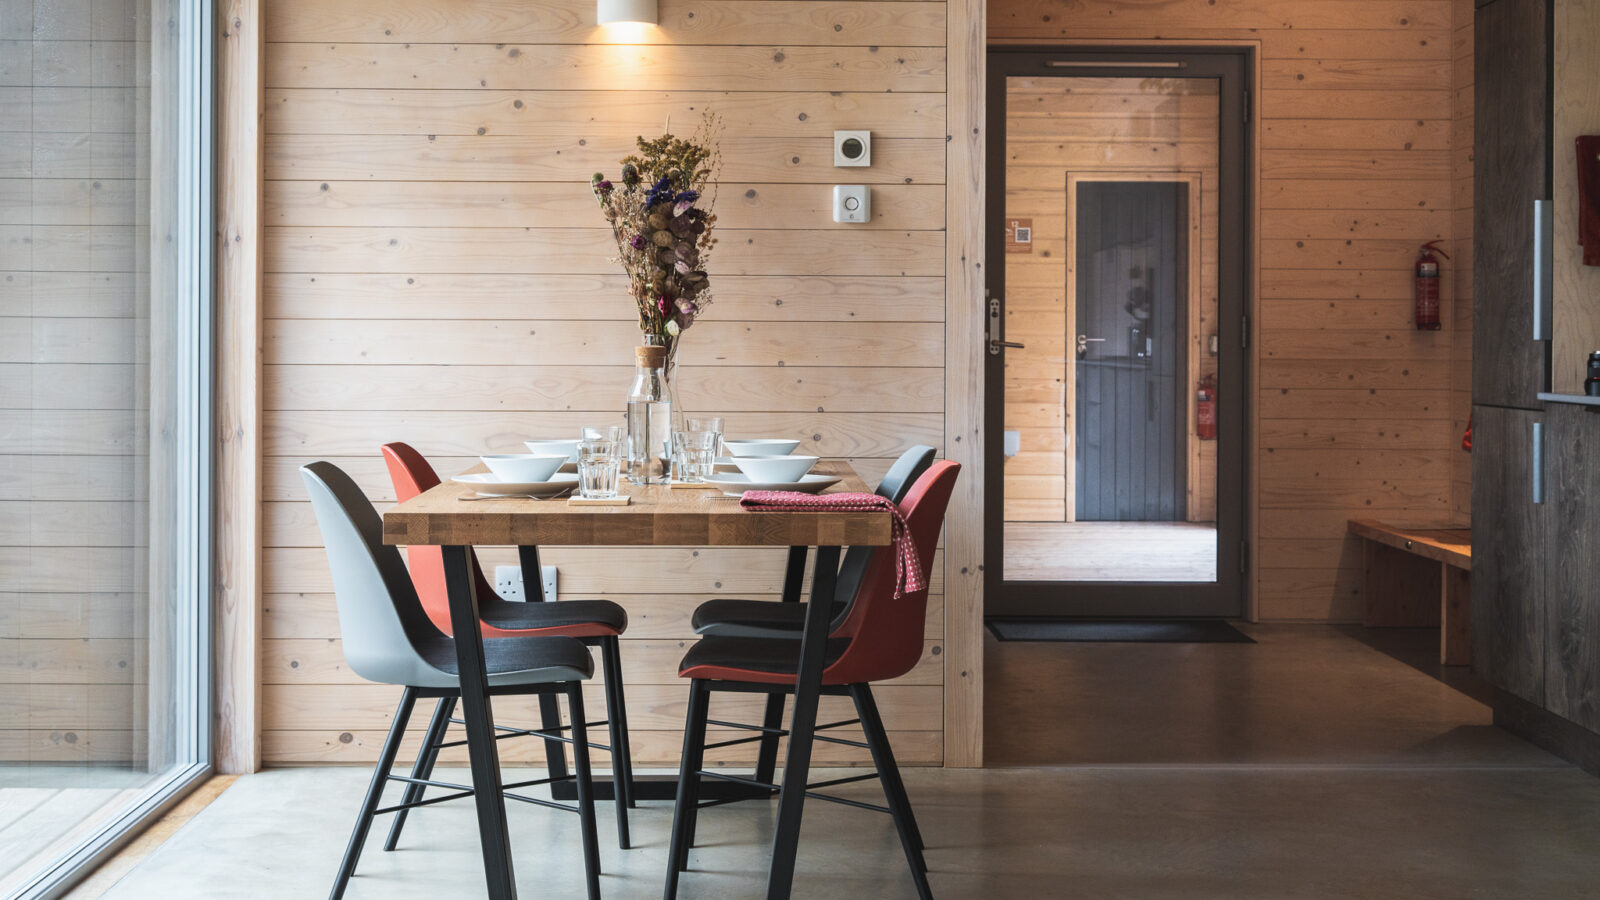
{"x": 1403, "y": 570}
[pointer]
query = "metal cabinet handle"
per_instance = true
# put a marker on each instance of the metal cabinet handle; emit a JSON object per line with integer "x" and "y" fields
{"x": 1543, "y": 268}
{"x": 1538, "y": 462}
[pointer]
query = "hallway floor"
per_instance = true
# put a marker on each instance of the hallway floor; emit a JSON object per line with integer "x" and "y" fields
{"x": 1307, "y": 765}
{"x": 1111, "y": 551}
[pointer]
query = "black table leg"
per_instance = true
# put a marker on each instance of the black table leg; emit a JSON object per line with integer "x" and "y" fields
{"x": 479, "y": 718}
{"x": 807, "y": 692}
{"x": 767, "y": 759}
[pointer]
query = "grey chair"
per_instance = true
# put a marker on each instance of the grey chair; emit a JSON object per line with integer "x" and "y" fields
{"x": 765, "y": 619}
{"x": 388, "y": 639}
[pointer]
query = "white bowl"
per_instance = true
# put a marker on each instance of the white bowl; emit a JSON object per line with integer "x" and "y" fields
{"x": 761, "y": 447}
{"x": 563, "y": 446}
{"x": 775, "y": 469}
{"x": 523, "y": 467}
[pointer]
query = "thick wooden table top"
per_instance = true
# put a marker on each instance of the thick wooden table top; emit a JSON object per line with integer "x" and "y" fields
{"x": 1451, "y": 546}
{"x": 658, "y": 516}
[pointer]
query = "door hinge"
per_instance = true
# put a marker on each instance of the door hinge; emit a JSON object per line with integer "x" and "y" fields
{"x": 1244, "y": 332}
{"x": 1244, "y": 557}
{"x": 1247, "y": 107}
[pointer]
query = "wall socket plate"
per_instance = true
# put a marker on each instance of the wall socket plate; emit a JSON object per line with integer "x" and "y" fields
{"x": 508, "y": 582}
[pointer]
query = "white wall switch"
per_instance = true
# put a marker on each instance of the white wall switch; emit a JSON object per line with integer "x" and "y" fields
{"x": 852, "y": 203}
{"x": 852, "y": 148}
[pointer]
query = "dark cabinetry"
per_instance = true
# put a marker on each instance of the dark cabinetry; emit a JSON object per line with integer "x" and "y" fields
{"x": 1572, "y": 567}
{"x": 1508, "y": 556}
{"x": 1511, "y": 169}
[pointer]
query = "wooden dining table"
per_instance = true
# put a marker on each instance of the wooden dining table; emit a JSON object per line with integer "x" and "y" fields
{"x": 656, "y": 516}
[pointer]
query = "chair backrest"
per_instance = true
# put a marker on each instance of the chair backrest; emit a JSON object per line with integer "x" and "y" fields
{"x": 885, "y": 631}
{"x": 896, "y": 482}
{"x": 381, "y": 622}
{"x": 412, "y": 474}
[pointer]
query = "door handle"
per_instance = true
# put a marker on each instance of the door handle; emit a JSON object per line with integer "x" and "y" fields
{"x": 994, "y": 329}
{"x": 1084, "y": 341}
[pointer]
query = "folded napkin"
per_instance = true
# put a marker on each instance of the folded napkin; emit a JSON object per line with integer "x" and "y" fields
{"x": 907, "y": 567}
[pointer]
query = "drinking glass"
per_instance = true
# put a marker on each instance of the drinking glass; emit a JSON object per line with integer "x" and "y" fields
{"x": 695, "y": 453}
{"x": 706, "y": 423}
{"x": 612, "y": 433}
{"x": 599, "y": 463}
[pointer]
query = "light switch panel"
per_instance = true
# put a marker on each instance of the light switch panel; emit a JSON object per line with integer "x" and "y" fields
{"x": 852, "y": 203}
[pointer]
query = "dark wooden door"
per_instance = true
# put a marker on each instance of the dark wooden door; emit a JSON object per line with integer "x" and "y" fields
{"x": 1511, "y": 168}
{"x": 1132, "y": 254}
{"x": 1572, "y": 569}
{"x": 1508, "y": 552}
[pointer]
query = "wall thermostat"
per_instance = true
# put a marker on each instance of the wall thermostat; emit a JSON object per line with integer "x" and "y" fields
{"x": 852, "y": 148}
{"x": 852, "y": 203}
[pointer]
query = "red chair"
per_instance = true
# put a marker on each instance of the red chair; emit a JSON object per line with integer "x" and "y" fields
{"x": 880, "y": 639}
{"x": 595, "y": 622}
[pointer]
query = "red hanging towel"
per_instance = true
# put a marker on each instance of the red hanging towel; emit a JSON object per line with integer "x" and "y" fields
{"x": 908, "y": 568}
{"x": 1589, "y": 198}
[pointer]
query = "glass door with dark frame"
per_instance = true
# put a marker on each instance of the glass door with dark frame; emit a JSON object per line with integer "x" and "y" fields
{"x": 1115, "y": 388}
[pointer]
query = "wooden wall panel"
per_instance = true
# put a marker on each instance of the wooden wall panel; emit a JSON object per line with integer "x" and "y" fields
{"x": 1576, "y": 112}
{"x": 435, "y": 271}
{"x": 75, "y": 261}
{"x": 1362, "y": 158}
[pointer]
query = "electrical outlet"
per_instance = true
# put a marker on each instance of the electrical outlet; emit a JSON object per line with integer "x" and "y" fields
{"x": 508, "y": 582}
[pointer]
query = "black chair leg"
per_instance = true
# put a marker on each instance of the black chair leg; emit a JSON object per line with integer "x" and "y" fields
{"x": 616, "y": 714}
{"x": 380, "y": 778}
{"x": 694, "y": 744}
{"x": 890, "y": 774}
{"x": 767, "y": 759}
{"x": 580, "y": 763}
{"x": 893, "y": 788}
{"x": 423, "y": 769}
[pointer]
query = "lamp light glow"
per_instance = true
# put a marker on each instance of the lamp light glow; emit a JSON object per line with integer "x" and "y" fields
{"x": 638, "y": 12}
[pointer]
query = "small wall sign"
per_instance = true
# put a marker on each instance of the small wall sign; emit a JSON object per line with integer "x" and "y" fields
{"x": 1019, "y": 235}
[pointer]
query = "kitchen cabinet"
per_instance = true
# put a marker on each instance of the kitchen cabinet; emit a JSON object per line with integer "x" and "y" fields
{"x": 1572, "y": 563}
{"x": 1508, "y": 552}
{"x": 1511, "y": 169}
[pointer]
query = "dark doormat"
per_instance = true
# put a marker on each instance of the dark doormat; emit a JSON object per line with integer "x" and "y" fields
{"x": 1127, "y": 631}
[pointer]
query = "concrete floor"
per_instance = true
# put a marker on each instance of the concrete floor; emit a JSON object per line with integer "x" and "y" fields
{"x": 1308, "y": 765}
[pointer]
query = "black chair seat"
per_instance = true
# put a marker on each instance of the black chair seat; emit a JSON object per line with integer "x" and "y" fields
{"x": 749, "y": 619}
{"x": 735, "y": 654}
{"x": 534, "y": 659}
{"x": 515, "y": 616}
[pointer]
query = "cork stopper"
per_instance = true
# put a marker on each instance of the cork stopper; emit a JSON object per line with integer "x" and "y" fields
{"x": 650, "y": 357}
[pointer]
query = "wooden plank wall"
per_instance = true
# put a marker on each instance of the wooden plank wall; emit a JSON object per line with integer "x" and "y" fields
{"x": 1100, "y": 128}
{"x": 1458, "y": 270}
{"x": 74, "y": 307}
{"x": 436, "y": 272}
{"x": 1355, "y": 171}
{"x": 1576, "y": 112}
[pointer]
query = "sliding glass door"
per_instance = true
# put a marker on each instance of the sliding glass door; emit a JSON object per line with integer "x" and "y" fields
{"x": 105, "y": 336}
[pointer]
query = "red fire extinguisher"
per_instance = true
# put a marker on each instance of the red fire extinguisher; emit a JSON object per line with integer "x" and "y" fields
{"x": 1205, "y": 409}
{"x": 1428, "y": 287}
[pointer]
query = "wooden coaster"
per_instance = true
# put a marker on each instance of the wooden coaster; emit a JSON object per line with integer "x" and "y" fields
{"x": 619, "y": 500}
{"x": 690, "y": 486}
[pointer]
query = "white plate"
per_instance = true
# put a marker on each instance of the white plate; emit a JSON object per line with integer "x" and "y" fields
{"x": 733, "y": 484}
{"x": 486, "y": 483}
